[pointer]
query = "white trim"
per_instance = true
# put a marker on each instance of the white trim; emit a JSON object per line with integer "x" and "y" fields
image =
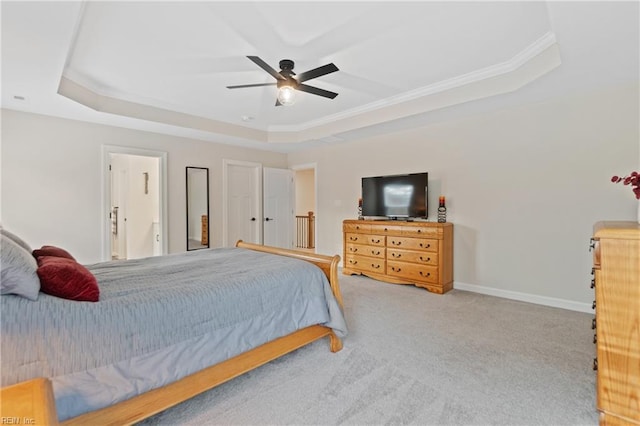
{"x": 525, "y": 297}
{"x": 225, "y": 201}
{"x": 106, "y": 195}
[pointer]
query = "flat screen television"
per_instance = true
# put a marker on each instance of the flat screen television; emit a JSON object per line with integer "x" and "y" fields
{"x": 395, "y": 196}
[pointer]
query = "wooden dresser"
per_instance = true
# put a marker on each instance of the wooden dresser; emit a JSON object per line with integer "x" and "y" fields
{"x": 418, "y": 253}
{"x": 616, "y": 266}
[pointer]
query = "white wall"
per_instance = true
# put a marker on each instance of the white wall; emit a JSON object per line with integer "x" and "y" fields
{"x": 523, "y": 185}
{"x": 51, "y": 179}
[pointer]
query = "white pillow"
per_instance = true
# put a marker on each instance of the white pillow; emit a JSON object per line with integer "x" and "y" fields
{"x": 13, "y": 237}
{"x": 17, "y": 270}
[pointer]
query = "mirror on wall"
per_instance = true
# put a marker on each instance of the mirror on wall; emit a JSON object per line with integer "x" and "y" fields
{"x": 197, "y": 208}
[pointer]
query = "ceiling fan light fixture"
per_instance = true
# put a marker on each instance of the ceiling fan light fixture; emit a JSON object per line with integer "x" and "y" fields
{"x": 286, "y": 95}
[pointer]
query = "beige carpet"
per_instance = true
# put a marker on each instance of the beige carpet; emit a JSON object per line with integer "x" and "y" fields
{"x": 413, "y": 357}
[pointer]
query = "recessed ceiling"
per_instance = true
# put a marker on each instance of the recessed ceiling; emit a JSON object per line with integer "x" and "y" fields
{"x": 166, "y": 65}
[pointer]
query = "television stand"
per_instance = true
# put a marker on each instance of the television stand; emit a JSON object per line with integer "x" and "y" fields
{"x": 417, "y": 253}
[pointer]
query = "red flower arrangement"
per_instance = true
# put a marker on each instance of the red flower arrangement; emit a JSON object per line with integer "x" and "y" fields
{"x": 633, "y": 179}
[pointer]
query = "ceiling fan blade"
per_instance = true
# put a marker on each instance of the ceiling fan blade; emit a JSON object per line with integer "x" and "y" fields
{"x": 316, "y": 91}
{"x": 251, "y": 85}
{"x": 317, "y": 72}
{"x": 262, "y": 64}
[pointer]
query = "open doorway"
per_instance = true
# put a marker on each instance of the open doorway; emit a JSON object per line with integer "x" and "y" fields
{"x": 135, "y": 203}
{"x": 305, "y": 207}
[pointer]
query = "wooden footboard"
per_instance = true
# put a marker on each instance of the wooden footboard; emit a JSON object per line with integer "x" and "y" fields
{"x": 145, "y": 405}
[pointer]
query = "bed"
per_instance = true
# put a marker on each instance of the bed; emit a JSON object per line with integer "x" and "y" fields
{"x": 168, "y": 328}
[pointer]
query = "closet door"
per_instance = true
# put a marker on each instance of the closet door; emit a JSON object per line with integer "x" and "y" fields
{"x": 243, "y": 202}
{"x": 278, "y": 207}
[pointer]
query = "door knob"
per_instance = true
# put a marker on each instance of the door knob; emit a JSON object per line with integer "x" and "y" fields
{"x": 253, "y": 219}
{"x": 268, "y": 219}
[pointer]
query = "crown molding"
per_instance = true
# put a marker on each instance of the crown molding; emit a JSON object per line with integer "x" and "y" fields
{"x": 535, "y": 60}
{"x": 545, "y": 42}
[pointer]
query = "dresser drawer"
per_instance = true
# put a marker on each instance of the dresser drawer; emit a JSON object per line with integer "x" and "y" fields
{"x": 412, "y": 271}
{"x": 372, "y": 240}
{"x": 355, "y": 238}
{"x": 421, "y": 231}
{"x": 365, "y": 250}
{"x": 413, "y": 243}
{"x": 386, "y": 229}
{"x": 356, "y": 227}
{"x": 428, "y": 258}
{"x": 362, "y": 263}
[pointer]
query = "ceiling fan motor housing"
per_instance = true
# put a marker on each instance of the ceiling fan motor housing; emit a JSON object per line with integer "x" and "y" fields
{"x": 286, "y": 70}
{"x": 286, "y": 65}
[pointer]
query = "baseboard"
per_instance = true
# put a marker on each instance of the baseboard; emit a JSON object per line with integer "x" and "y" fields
{"x": 525, "y": 297}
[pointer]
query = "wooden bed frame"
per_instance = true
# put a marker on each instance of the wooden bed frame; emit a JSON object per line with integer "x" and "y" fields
{"x": 33, "y": 401}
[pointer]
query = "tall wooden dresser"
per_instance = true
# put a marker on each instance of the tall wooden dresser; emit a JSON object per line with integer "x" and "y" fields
{"x": 418, "y": 253}
{"x": 616, "y": 265}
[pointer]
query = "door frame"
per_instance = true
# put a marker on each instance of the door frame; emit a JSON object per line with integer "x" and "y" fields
{"x": 308, "y": 166}
{"x": 225, "y": 197}
{"x": 107, "y": 150}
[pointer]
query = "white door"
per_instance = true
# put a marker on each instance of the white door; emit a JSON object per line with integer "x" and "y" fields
{"x": 278, "y": 207}
{"x": 243, "y": 197}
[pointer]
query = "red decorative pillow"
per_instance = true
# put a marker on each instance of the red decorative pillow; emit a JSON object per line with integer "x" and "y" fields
{"x": 66, "y": 278}
{"x": 52, "y": 251}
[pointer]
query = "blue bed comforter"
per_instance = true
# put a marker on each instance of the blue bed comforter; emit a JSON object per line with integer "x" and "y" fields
{"x": 158, "y": 320}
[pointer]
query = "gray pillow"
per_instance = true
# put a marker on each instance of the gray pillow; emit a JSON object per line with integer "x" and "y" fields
{"x": 17, "y": 270}
{"x": 13, "y": 237}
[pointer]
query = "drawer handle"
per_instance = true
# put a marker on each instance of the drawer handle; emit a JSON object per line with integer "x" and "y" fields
{"x": 427, "y": 275}
{"x": 375, "y": 253}
{"x": 593, "y": 283}
{"x": 375, "y": 241}
{"x": 423, "y": 246}
{"x": 595, "y": 339}
{"x": 593, "y": 305}
{"x": 375, "y": 266}
{"x": 396, "y": 255}
{"x": 593, "y": 324}
{"x": 427, "y": 260}
{"x": 353, "y": 262}
{"x": 353, "y": 238}
{"x": 592, "y": 244}
{"x": 419, "y": 231}
{"x": 396, "y": 243}
{"x": 386, "y": 230}
{"x": 595, "y": 364}
{"x": 393, "y": 268}
{"x": 353, "y": 249}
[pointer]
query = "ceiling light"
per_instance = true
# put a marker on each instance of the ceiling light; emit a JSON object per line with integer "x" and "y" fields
{"x": 286, "y": 95}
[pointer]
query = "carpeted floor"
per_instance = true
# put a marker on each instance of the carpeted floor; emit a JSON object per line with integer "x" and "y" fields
{"x": 413, "y": 357}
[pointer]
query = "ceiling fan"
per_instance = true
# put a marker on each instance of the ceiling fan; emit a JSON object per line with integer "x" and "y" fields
{"x": 288, "y": 84}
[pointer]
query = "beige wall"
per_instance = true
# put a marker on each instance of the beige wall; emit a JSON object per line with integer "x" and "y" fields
{"x": 523, "y": 185}
{"x": 305, "y": 192}
{"x": 51, "y": 179}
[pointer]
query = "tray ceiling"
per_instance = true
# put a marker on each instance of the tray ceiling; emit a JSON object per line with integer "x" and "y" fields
{"x": 166, "y": 65}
